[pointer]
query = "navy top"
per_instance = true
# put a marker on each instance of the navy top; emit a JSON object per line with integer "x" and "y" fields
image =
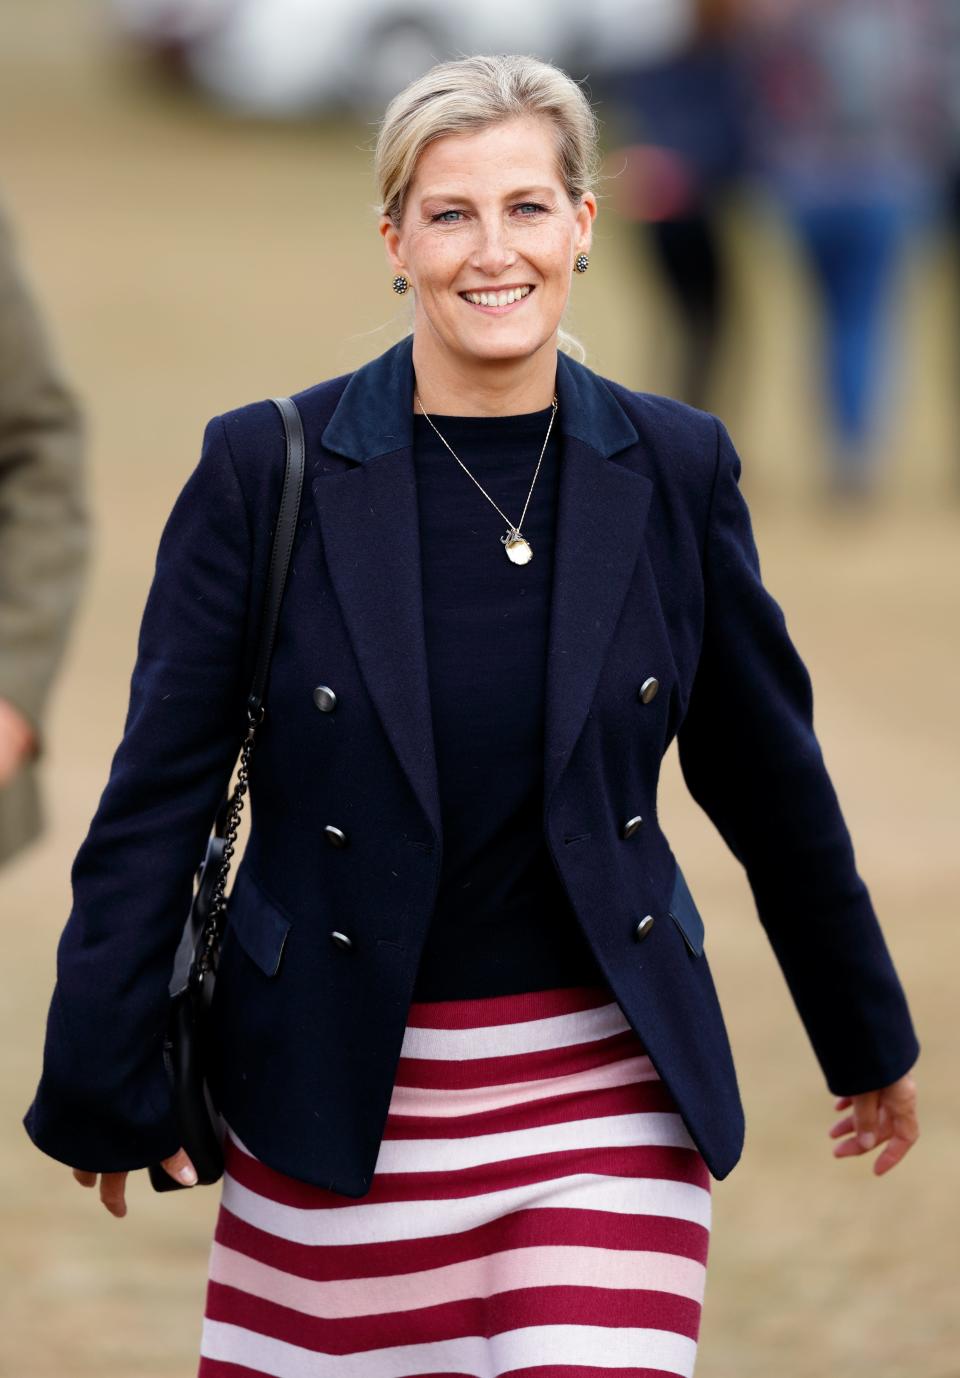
{"x": 502, "y": 922}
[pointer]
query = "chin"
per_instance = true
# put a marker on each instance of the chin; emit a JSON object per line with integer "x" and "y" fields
{"x": 519, "y": 346}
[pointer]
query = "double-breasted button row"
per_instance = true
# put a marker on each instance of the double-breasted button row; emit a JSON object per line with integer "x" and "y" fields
{"x": 326, "y": 700}
{"x": 646, "y": 693}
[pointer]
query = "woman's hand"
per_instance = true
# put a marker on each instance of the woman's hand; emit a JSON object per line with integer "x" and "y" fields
{"x": 113, "y": 1184}
{"x": 890, "y": 1113}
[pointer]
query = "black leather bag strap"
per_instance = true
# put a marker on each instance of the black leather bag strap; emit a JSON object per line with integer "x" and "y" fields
{"x": 195, "y": 957}
{"x": 282, "y": 546}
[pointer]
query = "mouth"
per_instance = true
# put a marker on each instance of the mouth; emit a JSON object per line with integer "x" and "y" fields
{"x": 500, "y": 302}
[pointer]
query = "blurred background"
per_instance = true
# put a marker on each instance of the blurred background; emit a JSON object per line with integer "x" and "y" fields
{"x": 778, "y": 241}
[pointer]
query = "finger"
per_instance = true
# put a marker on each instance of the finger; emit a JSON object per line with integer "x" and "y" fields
{"x": 849, "y": 1148}
{"x": 112, "y": 1188}
{"x": 853, "y": 1146}
{"x": 881, "y": 1134}
{"x": 842, "y": 1102}
{"x": 895, "y": 1151}
{"x": 180, "y": 1167}
{"x": 842, "y": 1127}
{"x": 905, "y": 1133}
{"x": 86, "y": 1179}
{"x": 866, "y": 1115}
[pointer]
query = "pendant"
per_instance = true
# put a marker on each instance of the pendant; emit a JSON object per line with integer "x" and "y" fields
{"x": 517, "y": 546}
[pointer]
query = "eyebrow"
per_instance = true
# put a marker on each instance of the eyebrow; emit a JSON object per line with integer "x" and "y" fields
{"x": 510, "y": 195}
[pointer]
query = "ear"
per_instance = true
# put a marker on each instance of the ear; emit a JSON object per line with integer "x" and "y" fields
{"x": 586, "y": 214}
{"x": 391, "y": 241}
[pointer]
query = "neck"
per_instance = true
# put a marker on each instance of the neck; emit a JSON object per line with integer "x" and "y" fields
{"x": 459, "y": 385}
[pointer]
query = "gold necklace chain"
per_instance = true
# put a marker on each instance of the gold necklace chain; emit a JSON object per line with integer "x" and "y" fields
{"x": 518, "y": 548}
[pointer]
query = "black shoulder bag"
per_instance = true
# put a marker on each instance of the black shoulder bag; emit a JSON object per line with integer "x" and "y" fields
{"x": 195, "y": 964}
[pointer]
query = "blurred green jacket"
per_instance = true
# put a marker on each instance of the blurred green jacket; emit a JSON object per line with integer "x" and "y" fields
{"x": 44, "y": 540}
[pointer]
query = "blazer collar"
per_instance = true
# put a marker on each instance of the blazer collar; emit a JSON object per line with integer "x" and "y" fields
{"x": 374, "y": 415}
{"x": 369, "y": 527}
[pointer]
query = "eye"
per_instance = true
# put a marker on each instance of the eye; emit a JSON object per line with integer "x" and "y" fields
{"x": 530, "y": 205}
{"x": 439, "y": 217}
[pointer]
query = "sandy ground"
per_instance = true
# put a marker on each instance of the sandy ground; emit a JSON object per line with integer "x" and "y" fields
{"x": 169, "y": 245}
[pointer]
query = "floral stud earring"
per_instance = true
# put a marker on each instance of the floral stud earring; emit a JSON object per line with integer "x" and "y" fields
{"x": 400, "y": 284}
{"x": 581, "y": 263}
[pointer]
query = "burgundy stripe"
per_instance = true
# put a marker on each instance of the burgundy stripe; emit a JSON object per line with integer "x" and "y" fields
{"x": 636, "y": 1097}
{"x": 524, "y": 1228}
{"x": 514, "y": 1067}
{"x": 537, "y": 1304}
{"x": 488, "y": 1010}
{"x": 667, "y": 1161}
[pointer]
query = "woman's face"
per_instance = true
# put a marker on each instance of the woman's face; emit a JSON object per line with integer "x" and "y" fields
{"x": 487, "y": 212}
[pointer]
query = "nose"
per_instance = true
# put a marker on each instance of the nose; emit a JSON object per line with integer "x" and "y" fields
{"x": 493, "y": 252}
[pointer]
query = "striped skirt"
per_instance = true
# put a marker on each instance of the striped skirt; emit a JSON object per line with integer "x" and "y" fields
{"x": 538, "y": 1209}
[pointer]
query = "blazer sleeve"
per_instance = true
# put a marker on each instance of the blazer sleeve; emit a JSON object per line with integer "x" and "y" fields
{"x": 751, "y": 759}
{"x": 103, "y": 1103}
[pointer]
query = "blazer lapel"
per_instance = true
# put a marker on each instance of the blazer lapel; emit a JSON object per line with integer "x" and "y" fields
{"x": 371, "y": 536}
{"x": 370, "y": 529}
{"x": 601, "y": 518}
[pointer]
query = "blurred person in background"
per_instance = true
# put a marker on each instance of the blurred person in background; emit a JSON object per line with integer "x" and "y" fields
{"x": 848, "y": 133}
{"x": 463, "y": 1011}
{"x": 684, "y": 119}
{"x": 43, "y": 542}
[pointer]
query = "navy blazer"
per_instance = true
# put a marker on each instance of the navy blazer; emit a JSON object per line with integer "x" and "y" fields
{"x": 656, "y": 577}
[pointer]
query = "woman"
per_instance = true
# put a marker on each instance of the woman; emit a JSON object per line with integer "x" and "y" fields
{"x": 468, "y": 1050}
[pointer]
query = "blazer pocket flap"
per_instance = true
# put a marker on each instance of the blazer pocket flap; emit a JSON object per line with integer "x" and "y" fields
{"x": 685, "y": 914}
{"x": 260, "y": 925}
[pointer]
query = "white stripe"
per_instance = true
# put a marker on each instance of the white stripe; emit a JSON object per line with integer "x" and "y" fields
{"x": 505, "y": 1270}
{"x": 612, "y": 1347}
{"x": 525, "y": 1036}
{"x": 659, "y": 1127}
{"x": 366, "y": 1223}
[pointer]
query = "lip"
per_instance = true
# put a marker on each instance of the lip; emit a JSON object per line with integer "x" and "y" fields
{"x": 499, "y": 310}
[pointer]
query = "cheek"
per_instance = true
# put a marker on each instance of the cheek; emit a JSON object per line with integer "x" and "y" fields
{"x": 438, "y": 265}
{"x": 431, "y": 261}
{"x": 553, "y": 257}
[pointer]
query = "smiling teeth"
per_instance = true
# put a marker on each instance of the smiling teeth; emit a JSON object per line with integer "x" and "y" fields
{"x": 497, "y": 298}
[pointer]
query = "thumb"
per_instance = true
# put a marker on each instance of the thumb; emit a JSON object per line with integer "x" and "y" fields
{"x": 180, "y": 1167}
{"x": 865, "y": 1111}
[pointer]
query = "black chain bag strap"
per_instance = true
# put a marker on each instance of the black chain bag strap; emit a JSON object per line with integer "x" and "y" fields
{"x": 195, "y": 964}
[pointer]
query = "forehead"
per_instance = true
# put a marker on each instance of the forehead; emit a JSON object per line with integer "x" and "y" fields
{"x": 519, "y": 152}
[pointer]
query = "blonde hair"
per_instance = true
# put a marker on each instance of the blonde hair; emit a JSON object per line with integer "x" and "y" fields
{"x": 469, "y": 93}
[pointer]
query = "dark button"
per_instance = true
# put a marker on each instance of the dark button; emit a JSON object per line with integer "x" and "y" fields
{"x": 631, "y": 826}
{"x": 335, "y": 836}
{"x": 325, "y": 698}
{"x": 643, "y": 927}
{"x": 341, "y": 939}
{"x": 648, "y": 689}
